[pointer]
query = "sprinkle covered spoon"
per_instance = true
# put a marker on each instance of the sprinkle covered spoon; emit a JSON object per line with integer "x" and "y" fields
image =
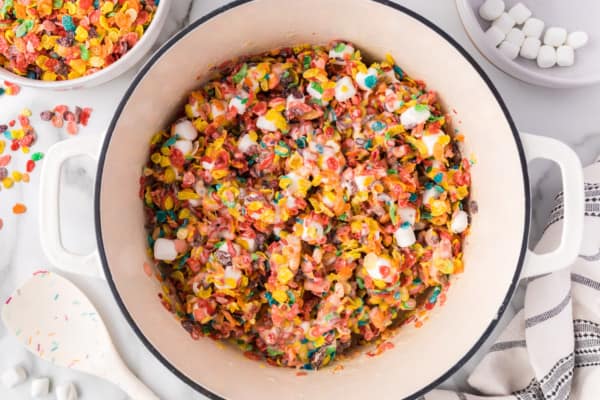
{"x": 58, "y": 323}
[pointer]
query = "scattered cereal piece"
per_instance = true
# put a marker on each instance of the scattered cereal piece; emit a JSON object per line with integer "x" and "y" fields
{"x": 19, "y": 208}
{"x": 72, "y": 128}
{"x": 12, "y": 89}
{"x": 7, "y": 183}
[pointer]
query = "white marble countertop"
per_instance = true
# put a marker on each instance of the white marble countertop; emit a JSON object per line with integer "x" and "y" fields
{"x": 568, "y": 115}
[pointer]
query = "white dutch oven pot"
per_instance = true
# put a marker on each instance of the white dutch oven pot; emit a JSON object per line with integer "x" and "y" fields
{"x": 496, "y": 254}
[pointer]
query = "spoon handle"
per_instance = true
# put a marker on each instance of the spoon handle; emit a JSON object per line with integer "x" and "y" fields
{"x": 135, "y": 388}
{"x": 120, "y": 375}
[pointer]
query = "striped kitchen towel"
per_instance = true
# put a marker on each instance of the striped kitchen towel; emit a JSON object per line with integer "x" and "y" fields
{"x": 551, "y": 348}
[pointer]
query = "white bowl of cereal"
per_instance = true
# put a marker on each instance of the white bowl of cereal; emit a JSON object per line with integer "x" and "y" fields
{"x": 301, "y": 202}
{"x": 71, "y": 45}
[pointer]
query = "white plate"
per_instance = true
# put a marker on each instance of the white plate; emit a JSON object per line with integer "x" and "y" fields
{"x": 574, "y": 15}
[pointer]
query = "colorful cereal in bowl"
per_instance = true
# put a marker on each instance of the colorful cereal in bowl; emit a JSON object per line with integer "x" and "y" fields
{"x": 306, "y": 203}
{"x": 62, "y": 40}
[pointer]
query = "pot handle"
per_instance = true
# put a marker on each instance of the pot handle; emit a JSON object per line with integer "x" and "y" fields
{"x": 60, "y": 257}
{"x": 574, "y": 199}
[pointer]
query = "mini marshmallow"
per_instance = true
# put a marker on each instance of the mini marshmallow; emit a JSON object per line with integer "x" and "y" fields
{"x": 577, "y": 39}
{"x": 185, "y": 146}
{"x": 407, "y": 214}
{"x": 344, "y": 89}
{"x": 546, "y": 57}
{"x": 504, "y": 22}
{"x": 164, "y": 249}
{"x": 565, "y": 56}
{"x": 368, "y": 80}
{"x": 13, "y": 376}
{"x": 185, "y": 130}
{"x": 414, "y": 116}
{"x": 555, "y": 36}
{"x": 40, "y": 387}
{"x": 460, "y": 221}
{"x": 495, "y": 35}
{"x": 66, "y": 392}
{"x": 246, "y": 142}
{"x": 520, "y": 13}
{"x": 239, "y": 103}
{"x": 430, "y": 141}
{"x": 509, "y": 49}
{"x": 516, "y": 37}
{"x": 341, "y": 50}
{"x": 266, "y": 125}
{"x": 491, "y": 9}
{"x": 376, "y": 267}
{"x": 405, "y": 237}
{"x": 530, "y": 48}
{"x": 533, "y": 28}
{"x": 429, "y": 194}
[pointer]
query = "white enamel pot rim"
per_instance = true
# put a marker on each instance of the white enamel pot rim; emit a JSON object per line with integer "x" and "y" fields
{"x": 507, "y": 163}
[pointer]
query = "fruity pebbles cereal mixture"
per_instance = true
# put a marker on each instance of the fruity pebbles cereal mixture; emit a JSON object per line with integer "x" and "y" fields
{"x": 66, "y": 39}
{"x": 305, "y": 204}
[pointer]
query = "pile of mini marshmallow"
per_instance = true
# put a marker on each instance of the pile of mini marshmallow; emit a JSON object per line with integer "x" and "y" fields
{"x": 558, "y": 47}
{"x": 40, "y": 387}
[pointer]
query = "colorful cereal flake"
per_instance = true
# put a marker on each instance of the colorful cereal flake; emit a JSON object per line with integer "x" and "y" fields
{"x": 21, "y": 136}
{"x": 19, "y": 208}
{"x": 9, "y": 88}
{"x": 61, "y": 116}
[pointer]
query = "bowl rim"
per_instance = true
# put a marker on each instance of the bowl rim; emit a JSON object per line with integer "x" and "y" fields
{"x": 531, "y": 76}
{"x": 216, "y": 12}
{"x": 161, "y": 11}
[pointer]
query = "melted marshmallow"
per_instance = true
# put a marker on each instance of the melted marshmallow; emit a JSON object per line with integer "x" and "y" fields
{"x": 414, "y": 116}
{"x": 245, "y": 143}
{"x": 185, "y": 130}
{"x": 266, "y": 125}
{"x": 344, "y": 89}
{"x": 405, "y": 237}
{"x": 460, "y": 221}
{"x": 185, "y": 146}
{"x": 368, "y": 80}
